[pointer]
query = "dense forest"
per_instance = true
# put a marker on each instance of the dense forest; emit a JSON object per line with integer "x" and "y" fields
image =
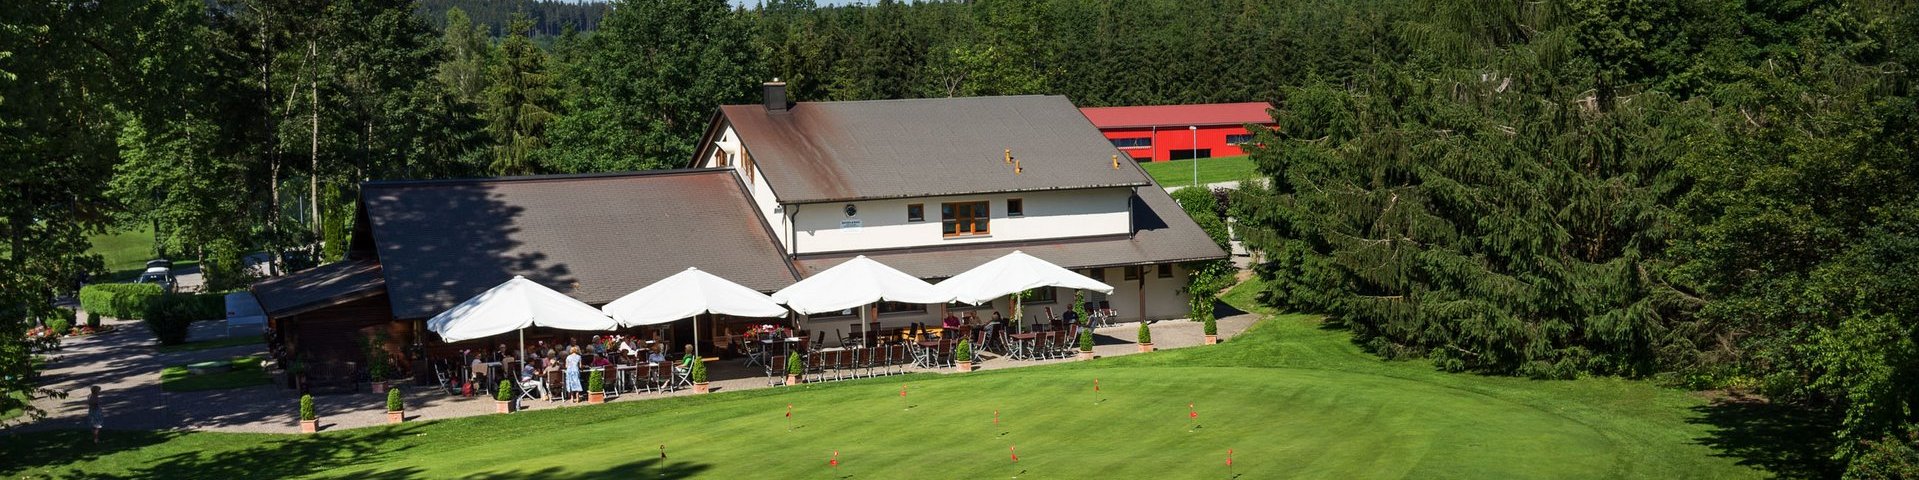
{"x": 551, "y": 18}
{"x": 1715, "y": 194}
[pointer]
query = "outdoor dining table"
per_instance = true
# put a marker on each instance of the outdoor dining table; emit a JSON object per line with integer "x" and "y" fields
{"x": 1023, "y": 347}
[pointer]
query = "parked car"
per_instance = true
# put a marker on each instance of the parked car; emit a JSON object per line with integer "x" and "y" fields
{"x": 158, "y": 272}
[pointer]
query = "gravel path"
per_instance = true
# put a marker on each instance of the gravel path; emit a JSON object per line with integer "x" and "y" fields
{"x": 127, "y": 367}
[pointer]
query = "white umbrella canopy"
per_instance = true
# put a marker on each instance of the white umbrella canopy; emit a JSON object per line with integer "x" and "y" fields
{"x": 515, "y": 305}
{"x": 1016, "y": 272}
{"x": 690, "y": 293}
{"x": 857, "y": 282}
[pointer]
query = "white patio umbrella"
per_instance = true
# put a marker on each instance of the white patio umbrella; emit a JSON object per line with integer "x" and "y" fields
{"x": 857, "y": 283}
{"x": 690, "y": 293}
{"x": 1016, "y": 272}
{"x": 515, "y": 305}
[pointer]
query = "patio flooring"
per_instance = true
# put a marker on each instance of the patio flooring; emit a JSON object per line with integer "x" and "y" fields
{"x": 127, "y": 368}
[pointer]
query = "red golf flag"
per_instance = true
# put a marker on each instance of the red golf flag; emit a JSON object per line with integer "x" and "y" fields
{"x": 902, "y": 390}
{"x": 789, "y": 410}
{"x": 1190, "y": 412}
{"x": 1229, "y": 457}
{"x": 1095, "y": 384}
{"x": 1010, "y": 448}
{"x": 835, "y": 462}
{"x": 996, "y": 416}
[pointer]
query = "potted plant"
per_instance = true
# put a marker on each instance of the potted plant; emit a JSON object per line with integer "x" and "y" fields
{"x": 1086, "y": 344}
{"x": 503, "y": 397}
{"x": 596, "y": 387}
{"x": 309, "y": 422}
{"x": 697, "y": 373}
{"x": 1212, "y": 330}
{"x": 963, "y": 356}
{"x": 395, "y": 409}
{"x": 377, "y": 366}
{"x": 1145, "y": 337}
{"x": 794, "y": 367}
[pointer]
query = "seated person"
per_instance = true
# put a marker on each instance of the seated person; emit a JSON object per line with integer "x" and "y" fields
{"x": 627, "y": 347}
{"x": 951, "y": 322}
{"x": 530, "y": 381}
{"x": 600, "y": 361}
{"x": 686, "y": 361}
{"x": 1070, "y": 317}
{"x": 655, "y": 357}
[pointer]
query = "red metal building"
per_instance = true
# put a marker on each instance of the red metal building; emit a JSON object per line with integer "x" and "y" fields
{"x": 1158, "y": 133}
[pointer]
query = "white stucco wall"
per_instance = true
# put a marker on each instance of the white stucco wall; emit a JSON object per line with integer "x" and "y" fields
{"x": 762, "y": 193}
{"x": 883, "y": 223}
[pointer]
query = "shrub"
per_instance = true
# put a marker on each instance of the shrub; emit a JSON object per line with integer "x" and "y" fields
{"x": 393, "y": 403}
{"x": 1212, "y": 326}
{"x": 306, "y": 408}
{"x": 1145, "y": 333}
{"x": 93, "y": 319}
{"x": 697, "y": 372}
{"x": 793, "y": 364}
{"x": 1086, "y": 339}
{"x": 59, "y": 326}
{"x": 505, "y": 392}
{"x": 168, "y": 316}
{"x": 596, "y": 381}
{"x": 377, "y": 364}
{"x": 125, "y": 301}
{"x": 964, "y": 352}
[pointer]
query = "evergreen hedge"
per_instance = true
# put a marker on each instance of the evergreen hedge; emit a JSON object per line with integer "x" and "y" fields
{"x": 127, "y": 301}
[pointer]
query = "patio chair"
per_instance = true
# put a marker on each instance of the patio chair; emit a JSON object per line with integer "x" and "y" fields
{"x": 529, "y": 387}
{"x": 444, "y": 381}
{"x": 680, "y": 379}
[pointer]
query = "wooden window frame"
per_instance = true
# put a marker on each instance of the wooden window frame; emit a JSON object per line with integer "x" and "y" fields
{"x": 979, "y": 224}
{"x": 1131, "y": 272}
{"x": 916, "y": 206}
{"x": 1165, "y": 270}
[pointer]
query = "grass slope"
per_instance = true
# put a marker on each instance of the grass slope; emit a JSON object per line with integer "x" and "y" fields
{"x": 1291, "y": 399}
{"x": 1211, "y": 170}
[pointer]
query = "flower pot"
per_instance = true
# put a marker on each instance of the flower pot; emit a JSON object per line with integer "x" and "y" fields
{"x": 379, "y": 387}
{"x": 699, "y": 387}
{"x": 965, "y": 367}
{"x": 596, "y": 398}
{"x": 396, "y": 416}
{"x": 792, "y": 379}
{"x": 1085, "y": 355}
{"x": 310, "y": 426}
{"x": 1145, "y": 347}
{"x": 502, "y": 406}
{"x": 1212, "y": 339}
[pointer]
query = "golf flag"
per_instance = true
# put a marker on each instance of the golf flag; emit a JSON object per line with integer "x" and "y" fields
{"x": 1190, "y": 412}
{"x": 1010, "y": 448}
{"x": 1229, "y": 457}
{"x": 996, "y": 416}
{"x": 902, "y": 390}
{"x": 662, "y": 451}
{"x": 789, "y": 410}
{"x": 1095, "y": 385}
{"x": 835, "y": 462}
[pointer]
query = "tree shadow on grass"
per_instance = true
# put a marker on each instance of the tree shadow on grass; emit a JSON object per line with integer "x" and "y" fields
{"x": 277, "y": 457}
{"x": 650, "y": 468}
{"x": 1788, "y": 441}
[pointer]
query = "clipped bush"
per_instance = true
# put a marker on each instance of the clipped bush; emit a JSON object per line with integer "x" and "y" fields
{"x": 697, "y": 372}
{"x": 127, "y": 301}
{"x": 306, "y": 408}
{"x": 963, "y": 352}
{"x": 1086, "y": 339}
{"x": 59, "y": 326}
{"x": 505, "y": 392}
{"x": 393, "y": 403}
{"x": 1145, "y": 333}
{"x": 794, "y": 366}
{"x": 93, "y": 319}
{"x": 596, "y": 381}
{"x": 1212, "y": 326}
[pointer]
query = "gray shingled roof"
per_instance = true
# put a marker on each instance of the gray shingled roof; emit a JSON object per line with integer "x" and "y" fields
{"x": 834, "y": 151}
{"x": 594, "y": 237}
{"x": 319, "y": 286}
{"x": 1162, "y": 233}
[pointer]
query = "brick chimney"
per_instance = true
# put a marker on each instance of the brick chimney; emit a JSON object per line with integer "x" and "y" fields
{"x": 775, "y": 95}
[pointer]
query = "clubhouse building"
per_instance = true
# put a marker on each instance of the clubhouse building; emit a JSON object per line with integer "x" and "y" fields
{"x": 777, "y": 192}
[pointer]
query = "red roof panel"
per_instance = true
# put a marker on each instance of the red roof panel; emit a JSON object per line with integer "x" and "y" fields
{"x": 1179, "y": 115}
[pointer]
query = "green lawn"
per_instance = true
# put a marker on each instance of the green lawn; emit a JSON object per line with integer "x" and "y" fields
{"x": 1290, "y": 398}
{"x": 125, "y": 251}
{"x": 245, "y": 372}
{"x": 1211, "y": 170}
{"x": 212, "y": 344}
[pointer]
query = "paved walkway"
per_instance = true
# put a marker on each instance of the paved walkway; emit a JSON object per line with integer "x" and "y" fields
{"x": 127, "y": 367}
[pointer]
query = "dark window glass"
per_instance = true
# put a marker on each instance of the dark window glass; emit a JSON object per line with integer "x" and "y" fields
{"x": 1139, "y": 142}
{"x": 1015, "y": 207}
{"x": 915, "y": 212}
{"x": 1165, "y": 270}
{"x": 1099, "y": 274}
{"x": 1132, "y": 272}
{"x": 1243, "y": 138}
